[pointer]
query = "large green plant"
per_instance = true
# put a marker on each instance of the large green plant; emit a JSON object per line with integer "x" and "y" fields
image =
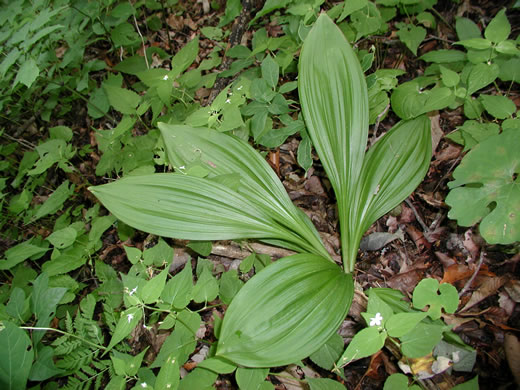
{"x": 224, "y": 189}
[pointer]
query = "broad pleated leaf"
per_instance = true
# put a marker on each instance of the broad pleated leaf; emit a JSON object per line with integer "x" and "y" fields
{"x": 223, "y": 155}
{"x": 285, "y": 312}
{"x": 334, "y": 101}
{"x": 393, "y": 168}
{"x": 187, "y": 207}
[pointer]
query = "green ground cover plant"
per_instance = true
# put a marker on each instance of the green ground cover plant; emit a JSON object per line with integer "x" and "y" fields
{"x": 93, "y": 297}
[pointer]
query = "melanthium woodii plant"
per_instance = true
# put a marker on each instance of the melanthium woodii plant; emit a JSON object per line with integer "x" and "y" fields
{"x": 223, "y": 189}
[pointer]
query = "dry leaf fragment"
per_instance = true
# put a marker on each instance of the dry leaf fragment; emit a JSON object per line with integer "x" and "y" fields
{"x": 487, "y": 288}
{"x": 512, "y": 349}
{"x": 513, "y": 289}
{"x": 456, "y": 272}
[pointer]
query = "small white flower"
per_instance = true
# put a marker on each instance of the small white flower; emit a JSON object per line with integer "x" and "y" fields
{"x": 164, "y": 78}
{"x": 133, "y": 291}
{"x": 228, "y": 101}
{"x": 144, "y": 385}
{"x": 129, "y": 317}
{"x": 376, "y": 321}
{"x": 239, "y": 88}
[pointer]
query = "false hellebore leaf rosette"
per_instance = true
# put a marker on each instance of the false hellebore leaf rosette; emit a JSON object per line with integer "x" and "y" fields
{"x": 334, "y": 102}
{"x": 285, "y": 312}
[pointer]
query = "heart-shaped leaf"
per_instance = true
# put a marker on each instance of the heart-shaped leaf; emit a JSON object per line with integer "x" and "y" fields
{"x": 222, "y": 155}
{"x": 285, "y": 312}
{"x": 486, "y": 187}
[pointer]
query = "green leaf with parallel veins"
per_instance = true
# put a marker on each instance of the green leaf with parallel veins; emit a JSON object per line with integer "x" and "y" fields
{"x": 169, "y": 205}
{"x": 285, "y": 312}
{"x": 223, "y": 154}
{"x": 335, "y": 106}
{"x": 218, "y": 365}
{"x": 393, "y": 168}
{"x": 488, "y": 176}
{"x": 16, "y": 356}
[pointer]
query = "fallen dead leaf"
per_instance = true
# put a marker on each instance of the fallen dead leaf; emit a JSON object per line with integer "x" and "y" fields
{"x": 470, "y": 244}
{"x": 513, "y": 289}
{"x": 437, "y": 132}
{"x": 489, "y": 286}
{"x": 375, "y": 362}
{"x": 512, "y": 350}
{"x": 455, "y": 273}
{"x": 405, "y": 281}
{"x": 446, "y": 260}
{"x": 506, "y": 303}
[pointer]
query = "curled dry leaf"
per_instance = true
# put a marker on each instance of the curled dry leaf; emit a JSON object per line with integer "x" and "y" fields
{"x": 487, "y": 288}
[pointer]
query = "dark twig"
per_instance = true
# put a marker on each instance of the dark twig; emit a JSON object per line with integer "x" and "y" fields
{"x": 237, "y": 32}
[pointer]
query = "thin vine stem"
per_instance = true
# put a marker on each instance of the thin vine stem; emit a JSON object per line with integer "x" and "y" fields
{"x": 65, "y": 334}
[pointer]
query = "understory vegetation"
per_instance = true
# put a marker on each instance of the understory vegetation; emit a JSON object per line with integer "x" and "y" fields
{"x": 279, "y": 194}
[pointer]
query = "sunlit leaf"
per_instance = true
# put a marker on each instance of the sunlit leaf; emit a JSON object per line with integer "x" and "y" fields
{"x": 285, "y": 312}
{"x": 223, "y": 154}
{"x": 185, "y": 207}
{"x": 335, "y": 106}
